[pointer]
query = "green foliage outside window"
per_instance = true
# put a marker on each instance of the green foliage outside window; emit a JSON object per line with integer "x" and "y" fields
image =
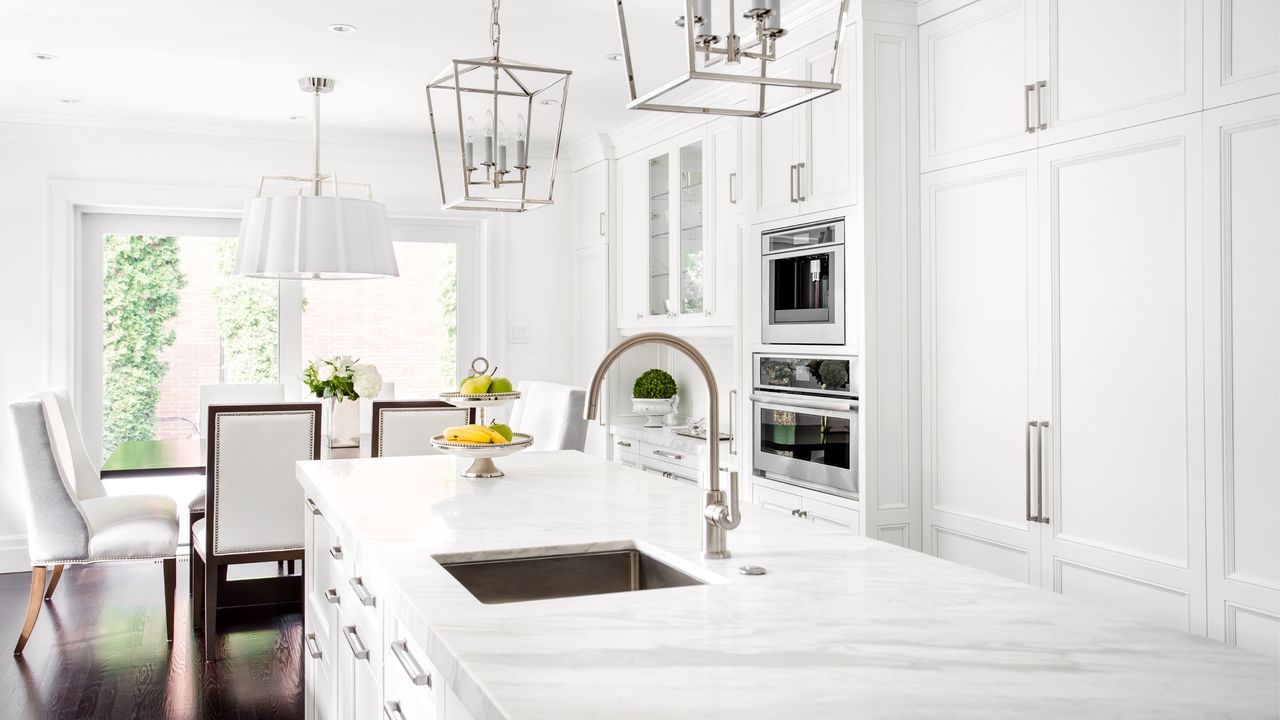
{"x": 140, "y": 285}
{"x": 248, "y": 313}
{"x": 448, "y": 298}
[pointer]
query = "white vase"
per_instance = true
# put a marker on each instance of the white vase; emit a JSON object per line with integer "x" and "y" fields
{"x": 654, "y": 409}
{"x": 344, "y": 423}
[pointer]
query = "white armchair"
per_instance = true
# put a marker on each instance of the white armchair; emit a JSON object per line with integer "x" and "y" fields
{"x": 255, "y": 509}
{"x": 405, "y": 427}
{"x": 388, "y": 392}
{"x": 228, "y": 395}
{"x": 552, "y": 413}
{"x": 71, "y": 519}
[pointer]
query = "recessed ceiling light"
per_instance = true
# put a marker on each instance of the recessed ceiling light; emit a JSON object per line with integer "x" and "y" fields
{"x": 44, "y": 56}
{"x": 342, "y": 28}
{"x": 615, "y": 57}
{"x": 69, "y": 101}
{"x": 548, "y": 101}
{"x": 297, "y": 117}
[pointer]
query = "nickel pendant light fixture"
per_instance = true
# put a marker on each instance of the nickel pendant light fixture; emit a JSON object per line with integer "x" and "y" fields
{"x": 729, "y": 47}
{"x": 308, "y": 235}
{"x": 486, "y": 96}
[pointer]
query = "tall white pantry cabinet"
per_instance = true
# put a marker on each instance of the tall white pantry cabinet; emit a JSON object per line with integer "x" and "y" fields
{"x": 1100, "y": 258}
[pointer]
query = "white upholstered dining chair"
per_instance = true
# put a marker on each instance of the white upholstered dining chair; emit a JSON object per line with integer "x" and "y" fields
{"x": 388, "y": 392}
{"x": 70, "y": 518}
{"x": 405, "y": 427}
{"x": 255, "y": 506}
{"x": 552, "y": 413}
{"x": 230, "y": 394}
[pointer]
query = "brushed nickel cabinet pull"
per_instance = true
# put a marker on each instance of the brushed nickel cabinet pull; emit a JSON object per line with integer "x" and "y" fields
{"x": 1031, "y": 424}
{"x": 416, "y": 674}
{"x": 733, "y": 194}
{"x": 602, "y": 224}
{"x": 668, "y": 455}
{"x": 1040, "y": 516}
{"x": 332, "y": 596}
{"x": 314, "y": 510}
{"x": 623, "y": 443}
{"x": 800, "y": 182}
{"x": 335, "y": 552}
{"x": 1040, "y": 123}
{"x": 733, "y": 411}
{"x": 362, "y": 592}
{"x": 391, "y": 709}
{"x": 313, "y": 646}
{"x": 358, "y": 647}
{"x": 793, "y": 184}
{"x": 1026, "y": 108}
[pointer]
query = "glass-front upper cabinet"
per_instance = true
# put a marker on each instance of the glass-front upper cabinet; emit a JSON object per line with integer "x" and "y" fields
{"x": 676, "y": 256}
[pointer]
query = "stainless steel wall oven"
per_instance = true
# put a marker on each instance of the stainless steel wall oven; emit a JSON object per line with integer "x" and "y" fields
{"x": 803, "y": 284}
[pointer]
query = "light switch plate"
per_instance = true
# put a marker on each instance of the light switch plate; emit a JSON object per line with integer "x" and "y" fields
{"x": 518, "y": 334}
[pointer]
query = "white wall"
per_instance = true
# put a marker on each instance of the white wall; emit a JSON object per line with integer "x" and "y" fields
{"x": 35, "y": 158}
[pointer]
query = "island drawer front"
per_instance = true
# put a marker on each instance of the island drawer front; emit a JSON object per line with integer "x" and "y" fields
{"x": 409, "y": 677}
{"x": 355, "y": 590}
{"x": 821, "y": 511}
{"x": 775, "y": 499}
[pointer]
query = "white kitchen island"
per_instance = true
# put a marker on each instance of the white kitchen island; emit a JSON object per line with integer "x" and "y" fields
{"x": 840, "y": 627}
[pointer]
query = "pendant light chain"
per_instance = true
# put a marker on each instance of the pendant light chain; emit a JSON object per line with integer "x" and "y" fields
{"x": 495, "y": 29}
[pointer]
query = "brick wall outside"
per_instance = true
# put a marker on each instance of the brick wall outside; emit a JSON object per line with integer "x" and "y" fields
{"x": 394, "y": 324}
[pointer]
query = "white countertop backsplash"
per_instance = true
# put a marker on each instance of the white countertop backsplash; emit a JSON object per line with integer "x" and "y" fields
{"x": 840, "y": 627}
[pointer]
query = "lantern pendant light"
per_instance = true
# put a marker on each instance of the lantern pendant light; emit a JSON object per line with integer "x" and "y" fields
{"x": 723, "y": 65}
{"x": 307, "y": 235}
{"x": 491, "y": 173}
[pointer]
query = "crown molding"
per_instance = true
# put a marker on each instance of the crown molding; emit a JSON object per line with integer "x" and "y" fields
{"x": 588, "y": 150}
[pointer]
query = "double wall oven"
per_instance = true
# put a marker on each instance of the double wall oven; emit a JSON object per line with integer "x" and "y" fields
{"x": 805, "y": 410}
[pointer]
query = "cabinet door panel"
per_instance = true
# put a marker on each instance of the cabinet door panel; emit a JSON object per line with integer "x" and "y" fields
{"x": 1241, "y": 54}
{"x": 977, "y": 236}
{"x": 1242, "y": 224}
{"x": 591, "y": 204}
{"x": 827, "y": 179}
{"x": 725, "y": 215}
{"x": 1120, "y": 232}
{"x": 1111, "y": 65}
{"x": 975, "y": 64}
{"x": 633, "y": 242}
{"x": 777, "y": 151}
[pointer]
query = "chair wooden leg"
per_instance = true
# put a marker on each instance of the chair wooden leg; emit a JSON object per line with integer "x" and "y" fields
{"x": 53, "y": 581}
{"x": 33, "y": 606}
{"x": 210, "y": 610}
{"x": 197, "y": 590}
{"x": 170, "y": 586}
{"x": 291, "y": 567}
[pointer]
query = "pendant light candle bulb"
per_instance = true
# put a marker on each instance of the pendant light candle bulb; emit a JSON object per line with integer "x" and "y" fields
{"x": 502, "y": 146}
{"x": 522, "y": 146}
{"x": 488, "y": 137}
{"x": 702, "y": 12}
{"x": 470, "y": 137}
{"x": 774, "y": 21}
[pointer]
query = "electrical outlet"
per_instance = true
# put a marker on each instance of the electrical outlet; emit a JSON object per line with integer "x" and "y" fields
{"x": 518, "y": 334}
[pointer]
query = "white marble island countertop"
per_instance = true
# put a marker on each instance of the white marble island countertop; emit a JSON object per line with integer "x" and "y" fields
{"x": 840, "y": 627}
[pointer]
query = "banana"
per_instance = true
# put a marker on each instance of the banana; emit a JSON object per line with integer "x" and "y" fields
{"x": 494, "y": 435}
{"x": 468, "y": 434}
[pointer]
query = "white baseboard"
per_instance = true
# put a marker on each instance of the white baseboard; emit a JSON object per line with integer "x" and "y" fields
{"x": 13, "y": 554}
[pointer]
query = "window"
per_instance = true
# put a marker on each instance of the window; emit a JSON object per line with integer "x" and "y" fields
{"x": 168, "y": 316}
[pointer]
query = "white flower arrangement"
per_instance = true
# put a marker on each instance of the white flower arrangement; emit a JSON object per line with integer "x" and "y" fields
{"x": 343, "y": 378}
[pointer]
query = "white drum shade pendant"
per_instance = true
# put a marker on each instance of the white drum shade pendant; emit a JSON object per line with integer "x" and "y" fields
{"x": 728, "y": 49}
{"x": 509, "y": 117}
{"x": 314, "y": 236}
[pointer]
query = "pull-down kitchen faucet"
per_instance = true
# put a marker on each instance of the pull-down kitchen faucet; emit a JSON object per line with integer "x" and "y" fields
{"x": 718, "y": 517}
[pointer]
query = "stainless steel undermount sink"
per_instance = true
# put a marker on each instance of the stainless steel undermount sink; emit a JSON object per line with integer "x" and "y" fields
{"x": 548, "y": 574}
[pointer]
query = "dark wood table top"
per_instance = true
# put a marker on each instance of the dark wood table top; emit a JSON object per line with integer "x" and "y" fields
{"x": 141, "y": 457}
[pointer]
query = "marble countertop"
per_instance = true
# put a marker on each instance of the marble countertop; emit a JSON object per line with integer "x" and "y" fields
{"x": 840, "y": 627}
{"x": 663, "y": 437}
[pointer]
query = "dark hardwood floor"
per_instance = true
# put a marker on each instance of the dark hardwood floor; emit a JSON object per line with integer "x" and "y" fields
{"x": 99, "y": 651}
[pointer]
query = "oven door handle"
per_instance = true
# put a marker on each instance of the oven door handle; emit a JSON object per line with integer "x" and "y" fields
{"x": 819, "y": 249}
{"x": 806, "y": 402}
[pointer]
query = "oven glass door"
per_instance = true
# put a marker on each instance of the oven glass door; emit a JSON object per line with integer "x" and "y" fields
{"x": 808, "y": 447}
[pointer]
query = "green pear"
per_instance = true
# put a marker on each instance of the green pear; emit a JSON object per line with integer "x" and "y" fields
{"x": 476, "y": 385}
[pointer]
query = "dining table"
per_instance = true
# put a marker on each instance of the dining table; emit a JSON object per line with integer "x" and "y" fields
{"x": 188, "y": 455}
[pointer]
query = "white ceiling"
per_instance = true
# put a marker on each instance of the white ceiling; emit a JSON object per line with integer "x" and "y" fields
{"x": 237, "y": 61}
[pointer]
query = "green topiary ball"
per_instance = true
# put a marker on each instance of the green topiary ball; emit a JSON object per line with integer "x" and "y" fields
{"x": 654, "y": 384}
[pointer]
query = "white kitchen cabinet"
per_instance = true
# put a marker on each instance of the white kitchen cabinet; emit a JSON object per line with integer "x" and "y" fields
{"x": 1002, "y": 76}
{"x": 1241, "y": 51}
{"x": 1242, "y": 227}
{"x": 591, "y": 205}
{"x": 591, "y": 322}
{"x": 978, "y": 243}
{"x": 669, "y": 246}
{"x": 975, "y": 66}
{"x": 807, "y": 504}
{"x": 1064, "y": 345}
{"x": 805, "y": 156}
{"x": 728, "y": 214}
